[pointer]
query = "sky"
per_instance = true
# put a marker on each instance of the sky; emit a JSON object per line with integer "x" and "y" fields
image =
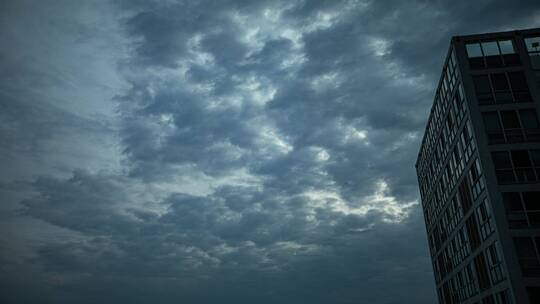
{"x": 169, "y": 151}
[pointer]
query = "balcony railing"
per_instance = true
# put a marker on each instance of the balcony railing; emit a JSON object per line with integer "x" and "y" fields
{"x": 509, "y": 136}
{"x": 519, "y": 175}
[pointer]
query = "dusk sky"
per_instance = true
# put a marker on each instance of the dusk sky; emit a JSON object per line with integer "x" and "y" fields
{"x": 221, "y": 151}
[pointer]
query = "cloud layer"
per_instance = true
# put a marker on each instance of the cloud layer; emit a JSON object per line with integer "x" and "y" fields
{"x": 170, "y": 151}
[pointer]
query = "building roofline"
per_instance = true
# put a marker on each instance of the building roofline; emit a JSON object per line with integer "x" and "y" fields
{"x": 471, "y": 37}
{"x": 482, "y": 36}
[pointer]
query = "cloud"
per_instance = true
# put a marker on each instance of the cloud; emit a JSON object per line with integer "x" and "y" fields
{"x": 234, "y": 150}
{"x": 238, "y": 232}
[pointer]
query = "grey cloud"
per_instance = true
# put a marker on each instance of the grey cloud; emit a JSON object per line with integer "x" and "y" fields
{"x": 203, "y": 240}
{"x": 255, "y": 146}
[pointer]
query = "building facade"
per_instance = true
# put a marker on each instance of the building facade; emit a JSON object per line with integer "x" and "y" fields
{"x": 479, "y": 170}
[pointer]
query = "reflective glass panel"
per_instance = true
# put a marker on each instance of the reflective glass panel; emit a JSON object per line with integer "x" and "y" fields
{"x": 473, "y": 50}
{"x": 490, "y": 48}
{"x": 533, "y": 44}
{"x": 528, "y": 118}
{"x": 506, "y": 47}
{"x": 491, "y": 121}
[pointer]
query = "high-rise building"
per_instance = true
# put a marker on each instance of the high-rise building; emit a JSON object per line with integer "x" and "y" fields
{"x": 479, "y": 170}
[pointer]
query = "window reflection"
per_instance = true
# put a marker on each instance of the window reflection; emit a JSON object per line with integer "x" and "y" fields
{"x": 533, "y": 44}
{"x": 491, "y": 54}
{"x": 533, "y": 48}
{"x": 490, "y": 48}
{"x": 474, "y": 50}
{"x": 506, "y": 47}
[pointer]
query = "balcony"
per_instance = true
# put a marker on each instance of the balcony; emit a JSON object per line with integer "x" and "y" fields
{"x": 510, "y": 136}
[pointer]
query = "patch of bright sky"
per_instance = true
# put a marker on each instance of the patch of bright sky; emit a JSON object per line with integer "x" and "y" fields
{"x": 403, "y": 141}
{"x": 322, "y": 155}
{"x": 327, "y": 81}
{"x": 269, "y": 140}
{"x": 393, "y": 211}
{"x": 258, "y": 90}
{"x": 198, "y": 55}
{"x": 351, "y": 133}
{"x": 379, "y": 46}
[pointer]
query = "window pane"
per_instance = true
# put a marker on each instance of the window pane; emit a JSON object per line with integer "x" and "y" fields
{"x": 535, "y": 60}
{"x": 461, "y": 94}
{"x": 510, "y": 120}
{"x": 521, "y": 158}
{"x": 472, "y": 232}
{"x": 534, "y": 294}
{"x": 533, "y": 44}
{"x": 481, "y": 84}
{"x": 531, "y": 200}
{"x": 525, "y": 247}
{"x": 499, "y": 82}
{"x": 490, "y": 48}
{"x": 473, "y": 50}
{"x": 491, "y": 121}
{"x": 528, "y": 118}
{"x": 518, "y": 81}
{"x": 481, "y": 273}
{"x": 501, "y": 160}
{"x": 506, "y": 47}
{"x": 535, "y": 156}
{"x": 512, "y": 201}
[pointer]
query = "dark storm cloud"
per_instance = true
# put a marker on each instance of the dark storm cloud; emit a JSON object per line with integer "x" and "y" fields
{"x": 265, "y": 149}
{"x": 229, "y": 241}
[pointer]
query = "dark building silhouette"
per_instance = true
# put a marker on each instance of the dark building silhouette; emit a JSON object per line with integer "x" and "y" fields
{"x": 479, "y": 170}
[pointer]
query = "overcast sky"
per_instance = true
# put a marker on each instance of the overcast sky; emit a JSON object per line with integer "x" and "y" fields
{"x": 221, "y": 151}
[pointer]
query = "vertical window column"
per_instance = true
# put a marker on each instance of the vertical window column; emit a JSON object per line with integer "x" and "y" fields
{"x": 533, "y": 49}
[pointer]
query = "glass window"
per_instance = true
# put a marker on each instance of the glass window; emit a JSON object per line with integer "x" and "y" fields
{"x": 501, "y": 160}
{"x": 442, "y": 140}
{"x": 499, "y": 82}
{"x": 534, "y": 294}
{"x": 510, "y": 120}
{"x": 465, "y": 195}
{"x": 512, "y": 201}
{"x": 527, "y": 256}
{"x": 531, "y": 200}
{"x": 450, "y": 121}
{"x": 521, "y": 158}
{"x": 535, "y": 156}
{"x": 490, "y": 48}
{"x": 453, "y": 58}
{"x": 492, "y": 54}
{"x": 533, "y": 47}
{"x": 506, "y": 47}
{"x": 518, "y": 81}
{"x": 472, "y": 232}
{"x": 481, "y": 272}
{"x": 503, "y": 297}
{"x": 491, "y": 121}
{"x": 514, "y": 210}
{"x": 474, "y": 172}
{"x": 525, "y": 248}
{"x": 519, "y": 86}
{"x": 467, "y": 130}
{"x": 529, "y": 119}
{"x": 533, "y": 44}
{"x": 483, "y": 89}
{"x": 461, "y": 94}
{"x": 481, "y": 83}
{"x": 473, "y": 50}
